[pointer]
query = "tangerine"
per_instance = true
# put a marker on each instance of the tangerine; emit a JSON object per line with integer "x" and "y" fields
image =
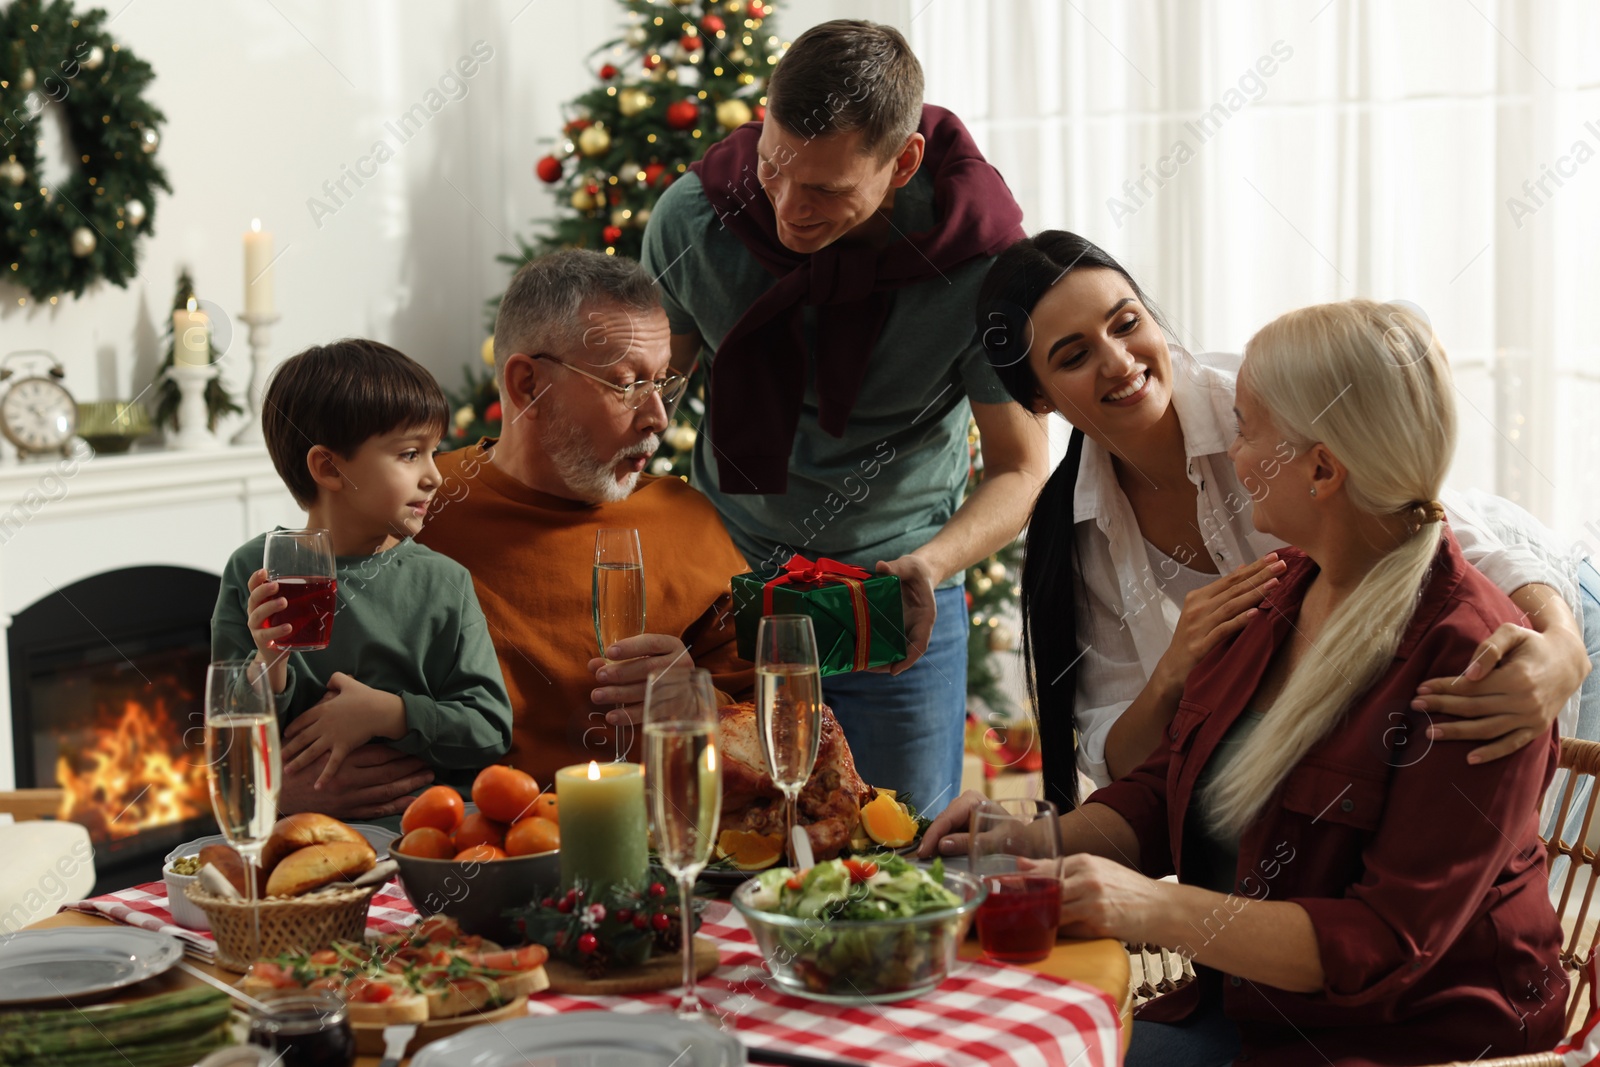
{"x": 748, "y": 850}
{"x": 887, "y": 823}
{"x": 545, "y": 806}
{"x": 531, "y": 835}
{"x": 427, "y": 842}
{"x": 479, "y": 829}
{"x": 439, "y": 807}
{"x": 504, "y": 793}
{"x": 479, "y": 854}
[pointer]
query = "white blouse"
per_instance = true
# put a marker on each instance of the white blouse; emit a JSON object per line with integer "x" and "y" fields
{"x": 1131, "y": 620}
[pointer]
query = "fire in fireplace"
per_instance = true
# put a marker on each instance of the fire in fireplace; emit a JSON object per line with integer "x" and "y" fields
{"x": 107, "y": 700}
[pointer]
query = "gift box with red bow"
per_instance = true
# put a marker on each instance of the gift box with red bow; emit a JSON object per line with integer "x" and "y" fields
{"x": 856, "y": 615}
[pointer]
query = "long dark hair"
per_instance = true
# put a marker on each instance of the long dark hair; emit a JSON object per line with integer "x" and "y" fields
{"x": 1053, "y": 589}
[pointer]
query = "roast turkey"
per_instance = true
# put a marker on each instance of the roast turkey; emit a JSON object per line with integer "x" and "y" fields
{"x": 830, "y": 802}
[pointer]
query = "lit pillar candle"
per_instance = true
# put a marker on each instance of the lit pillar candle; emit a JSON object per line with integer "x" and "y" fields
{"x": 257, "y": 270}
{"x": 191, "y": 334}
{"x": 602, "y": 825}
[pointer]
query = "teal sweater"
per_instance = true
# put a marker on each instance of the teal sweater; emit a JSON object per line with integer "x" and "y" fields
{"x": 408, "y": 623}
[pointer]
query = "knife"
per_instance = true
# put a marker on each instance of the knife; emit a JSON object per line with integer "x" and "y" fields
{"x": 395, "y": 1040}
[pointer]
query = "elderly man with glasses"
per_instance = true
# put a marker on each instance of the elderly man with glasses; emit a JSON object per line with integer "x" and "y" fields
{"x": 581, "y": 353}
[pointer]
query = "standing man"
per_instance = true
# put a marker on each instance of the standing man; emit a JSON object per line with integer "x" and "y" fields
{"x": 826, "y": 263}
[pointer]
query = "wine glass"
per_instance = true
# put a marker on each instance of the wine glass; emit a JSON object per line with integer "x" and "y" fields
{"x": 618, "y": 599}
{"x": 242, "y": 755}
{"x": 1013, "y": 846}
{"x": 788, "y": 707}
{"x": 683, "y": 774}
{"x": 301, "y": 562}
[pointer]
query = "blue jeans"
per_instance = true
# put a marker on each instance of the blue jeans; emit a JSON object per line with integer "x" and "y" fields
{"x": 907, "y": 731}
{"x": 1588, "y": 720}
{"x": 1208, "y": 1038}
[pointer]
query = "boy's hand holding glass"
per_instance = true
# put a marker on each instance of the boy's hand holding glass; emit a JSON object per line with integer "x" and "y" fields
{"x": 627, "y": 667}
{"x": 348, "y": 716}
{"x": 264, "y": 602}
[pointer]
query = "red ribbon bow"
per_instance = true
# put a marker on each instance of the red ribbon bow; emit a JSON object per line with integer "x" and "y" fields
{"x": 801, "y": 571}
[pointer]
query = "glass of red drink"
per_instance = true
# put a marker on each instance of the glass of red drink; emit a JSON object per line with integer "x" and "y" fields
{"x": 301, "y": 562}
{"x": 1014, "y": 845}
{"x": 307, "y": 1029}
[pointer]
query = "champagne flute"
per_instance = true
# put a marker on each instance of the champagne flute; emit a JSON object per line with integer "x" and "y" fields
{"x": 788, "y": 707}
{"x": 301, "y": 562}
{"x": 683, "y": 774}
{"x": 618, "y": 599}
{"x": 242, "y": 756}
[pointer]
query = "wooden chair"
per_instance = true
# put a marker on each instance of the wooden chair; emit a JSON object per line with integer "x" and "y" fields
{"x": 27, "y": 804}
{"x": 1581, "y": 759}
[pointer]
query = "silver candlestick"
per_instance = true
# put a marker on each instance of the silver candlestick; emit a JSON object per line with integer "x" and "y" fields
{"x": 260, "y": 336}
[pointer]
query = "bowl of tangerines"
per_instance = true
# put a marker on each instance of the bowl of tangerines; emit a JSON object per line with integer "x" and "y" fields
{"x": 473, "y": 866}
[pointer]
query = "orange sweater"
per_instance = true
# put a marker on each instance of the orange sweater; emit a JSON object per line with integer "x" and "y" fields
{"x": 532, "y": 558}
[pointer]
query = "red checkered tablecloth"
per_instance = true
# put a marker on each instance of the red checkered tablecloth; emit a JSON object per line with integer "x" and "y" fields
{"x": 145, "y": 906}
{"x": 982, "y": 1016}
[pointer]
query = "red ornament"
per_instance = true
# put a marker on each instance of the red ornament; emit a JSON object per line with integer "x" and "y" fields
{"x": 587, "y": 943}
{"x": 592, "y": 189}
{"x": 652, "y": 61}
{"x": 548, "y": 169}
{"x": 758, "y": 10}
{"x": 659, "y": 921}
{"x": 760, "y": 112}
{"x": 492, "y": 412}
{"x": 608, "y": 72}
{"x": 615, "y": 196}
{"x": 689, "y": 44}
{"x": 578, "y": 125}
{"x": 713, "y": 24}
{"x": 653, "y": 172}
{"x": 611, "y": 234}
{"x": 683, "y": 114}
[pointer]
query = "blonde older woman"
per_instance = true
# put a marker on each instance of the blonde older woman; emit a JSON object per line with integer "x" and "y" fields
{"x": 1345, "y": 899}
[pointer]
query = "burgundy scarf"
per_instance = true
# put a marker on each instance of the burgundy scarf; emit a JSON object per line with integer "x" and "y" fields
{"x": 759, "y": 374}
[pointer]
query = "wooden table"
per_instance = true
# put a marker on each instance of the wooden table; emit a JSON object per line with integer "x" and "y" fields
{"x": 1102, "y": 964}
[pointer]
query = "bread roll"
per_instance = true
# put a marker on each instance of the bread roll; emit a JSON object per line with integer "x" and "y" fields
{"x": 318, "y": 865}
{"x": 228, "y": 863}
{"x": 297, "y": 831}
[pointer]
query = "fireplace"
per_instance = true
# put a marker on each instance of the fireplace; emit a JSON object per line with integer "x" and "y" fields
{"x": 107, "y": 680}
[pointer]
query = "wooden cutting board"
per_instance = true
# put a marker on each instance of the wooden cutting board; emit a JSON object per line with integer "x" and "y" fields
{"x": 660, "y": 972}
{"x": 369, "y": 1039}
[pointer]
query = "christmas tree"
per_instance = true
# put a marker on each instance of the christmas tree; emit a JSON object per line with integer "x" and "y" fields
{"x": 682, "y": 76}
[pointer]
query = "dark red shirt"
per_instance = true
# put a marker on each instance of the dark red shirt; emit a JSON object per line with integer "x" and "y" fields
{"x": 1423, "y": 875}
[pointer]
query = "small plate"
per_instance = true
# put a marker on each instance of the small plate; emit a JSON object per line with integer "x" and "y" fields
{"x": 586, "y": 1039}
{"x": 42, "y": 966}
{"x": 377, "y": 836}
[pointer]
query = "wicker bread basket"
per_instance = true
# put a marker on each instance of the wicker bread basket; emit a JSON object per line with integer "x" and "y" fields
{"x": 288, "y": 924}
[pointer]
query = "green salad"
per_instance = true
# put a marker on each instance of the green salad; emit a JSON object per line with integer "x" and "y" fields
{"x": 841, "y": 948}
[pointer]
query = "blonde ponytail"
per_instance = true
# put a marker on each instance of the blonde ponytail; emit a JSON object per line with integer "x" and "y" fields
{"x": 1371, "y": 383}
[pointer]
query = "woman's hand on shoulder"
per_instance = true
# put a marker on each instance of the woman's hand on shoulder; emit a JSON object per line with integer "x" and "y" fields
{"x": 1218, "y": 610}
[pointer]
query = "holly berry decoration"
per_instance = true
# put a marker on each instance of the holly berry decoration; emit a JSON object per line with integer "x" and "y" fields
{"x": 548, "y": 169}
{"x": 683, "y": 114}
{"x": 587, "y": 944}
{"x": 611, "y": 234}
{"x": 613, "y": 928}
{"x": 608, "y": 72}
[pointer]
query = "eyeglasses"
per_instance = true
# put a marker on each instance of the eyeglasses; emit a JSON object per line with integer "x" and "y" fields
{"x": 634, "y": 394}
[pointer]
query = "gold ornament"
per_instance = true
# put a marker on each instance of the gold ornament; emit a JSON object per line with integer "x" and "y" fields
{"x": 135, "y": 211}
{"x": 12, "y": 172}
{"x": 27, "y": 79}
{"x": 594, "y": 140}
{"x": 83, "y": 241}
{"x": 636, "y": 36}
{"x": 1002, "y": 638}
{"x": 633, "y": 100}
{"x": 620, "y": 217}
{"x": 641, "y": 217}
{"x": 487, "y": 351}
{"x": 679, "y": 437}
{"x": 738, "y": 55}
{"x": 631, "y": 171}
{"x": 464, "y": 416}
{"x": 96, "y": 56}
{"x": 582, "y": 200}
{"x": 982, "y": 585}
{"x": 732, "y": 114}
{"x": 997, "y": 571}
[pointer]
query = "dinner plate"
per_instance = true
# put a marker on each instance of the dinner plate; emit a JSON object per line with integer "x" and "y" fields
{"x": 40, "y": 966}
{"x": 586, "y": 1039}
{"x": 377, "y": 836}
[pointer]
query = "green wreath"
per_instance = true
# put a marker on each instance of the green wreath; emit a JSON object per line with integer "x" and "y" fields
{"x": 61, "y": 239}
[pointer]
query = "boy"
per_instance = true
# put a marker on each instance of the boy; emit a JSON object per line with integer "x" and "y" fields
{"x": 351, "y": 428}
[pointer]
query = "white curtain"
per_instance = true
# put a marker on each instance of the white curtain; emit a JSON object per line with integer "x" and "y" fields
{"x": 1245, "y": 157}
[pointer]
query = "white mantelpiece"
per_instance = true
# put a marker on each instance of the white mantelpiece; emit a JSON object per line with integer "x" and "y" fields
{"x": 63, "y": 520}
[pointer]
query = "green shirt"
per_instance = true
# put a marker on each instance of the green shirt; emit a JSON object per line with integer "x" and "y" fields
{"x": 899, "y": 472}
{"x": 408, "y": 623}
